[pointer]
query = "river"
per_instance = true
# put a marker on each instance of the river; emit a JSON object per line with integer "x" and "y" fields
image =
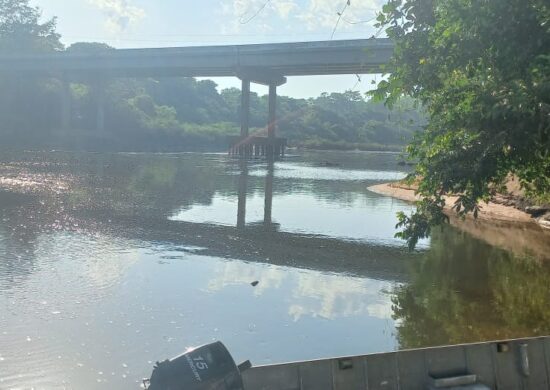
{"x": 109, "y": 263}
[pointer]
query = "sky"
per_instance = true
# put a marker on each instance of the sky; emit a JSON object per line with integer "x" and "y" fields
{"x": 172, "y": 23}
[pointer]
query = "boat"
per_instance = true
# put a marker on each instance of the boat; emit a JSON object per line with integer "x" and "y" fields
{"x": 517, "y": 364}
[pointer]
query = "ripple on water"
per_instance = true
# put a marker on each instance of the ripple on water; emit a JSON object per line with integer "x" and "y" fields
{"x": 20, "y": 354}
{"x": 54, "y": 287}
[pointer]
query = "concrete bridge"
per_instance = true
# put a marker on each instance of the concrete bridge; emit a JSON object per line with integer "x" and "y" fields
{"x": 267, "y": 64}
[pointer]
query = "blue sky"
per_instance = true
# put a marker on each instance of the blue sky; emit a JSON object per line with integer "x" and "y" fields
{"x": 161, "y": 23}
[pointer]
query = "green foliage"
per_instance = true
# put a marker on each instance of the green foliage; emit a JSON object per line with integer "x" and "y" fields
{"x": 347, "y": 120}
{"x": 482, "y": 71}
{"x": 418, "y": 225}
{"x": 24, "y": 102}
{"x": 89, "y": 47}
{"x": 21, "y": 30}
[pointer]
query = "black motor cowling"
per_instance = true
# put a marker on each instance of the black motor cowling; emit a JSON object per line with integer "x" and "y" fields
{"x": 210, "y": 367}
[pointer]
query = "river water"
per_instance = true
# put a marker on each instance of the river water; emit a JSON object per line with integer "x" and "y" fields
{"x": 109, "y": 263}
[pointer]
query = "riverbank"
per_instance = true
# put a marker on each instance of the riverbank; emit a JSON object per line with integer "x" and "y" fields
{"x": 488, "y": 212}
{"x": 497, "y": 224}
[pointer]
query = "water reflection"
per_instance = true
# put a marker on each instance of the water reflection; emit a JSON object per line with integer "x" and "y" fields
{"x": 340, "y": 296}
{"x": 268, "y": 208}
{"x": 243, "y": 190}
{"x": 277, "y": 201}
{"x": 144, "y": 255}
{"x": 267, "y": 223}
{"x": 464, "y": 290}
{"x": 306, "y": 172}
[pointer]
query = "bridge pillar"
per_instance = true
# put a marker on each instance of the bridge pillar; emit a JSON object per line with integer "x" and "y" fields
{"x": 245, "y": 107}
{"x": 272, "y": 125}
{"x": 66, "y": 104}
{"x": 272, "y": 122}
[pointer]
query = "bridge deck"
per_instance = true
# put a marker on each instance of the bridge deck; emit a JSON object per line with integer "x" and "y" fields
{"x": 284, "y": 59}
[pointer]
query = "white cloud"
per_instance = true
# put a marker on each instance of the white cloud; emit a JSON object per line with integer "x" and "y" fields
{"x": 285, "y": 8}
{"x": 120, "y": 13}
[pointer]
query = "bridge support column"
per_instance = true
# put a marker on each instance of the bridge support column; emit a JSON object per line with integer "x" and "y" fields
{"x": 245, "y": 116}
{"x": 245, "y": 108}
{"x": 272, "y": 121}
{"x": 272, "y": 125}
{"x": 66, "y": 104}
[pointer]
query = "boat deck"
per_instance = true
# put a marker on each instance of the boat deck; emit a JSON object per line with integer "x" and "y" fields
{"x": 521, "y": 364}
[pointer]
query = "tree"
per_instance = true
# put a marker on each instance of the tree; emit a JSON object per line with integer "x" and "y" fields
{"x": 26, "y": 101}
{"x": 482, "y": 71}
{"x": 21, "y": 30}
{"x": 89, "y": 48}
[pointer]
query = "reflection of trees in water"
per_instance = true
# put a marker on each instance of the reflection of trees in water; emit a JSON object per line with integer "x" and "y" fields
{"x": 345, "y": 192}
{"x": 464, "y": 290}
{"x": 149, "y": 184}
{"x": 146, "y": 184}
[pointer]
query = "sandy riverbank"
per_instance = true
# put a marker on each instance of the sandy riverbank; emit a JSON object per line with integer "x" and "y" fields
{"x": 490, "y": 211}
{"x": 497, "y": 224}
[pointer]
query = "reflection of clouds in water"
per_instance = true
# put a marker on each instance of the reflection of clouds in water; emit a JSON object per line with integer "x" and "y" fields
{"x": 93, "y": 263}
{"x": 311, "y": 293}
{"x": 382, "y": 310}
{"x": 108, "y": 271}
{"x": 237, "y": 273}
{"x": 332, "y": 296}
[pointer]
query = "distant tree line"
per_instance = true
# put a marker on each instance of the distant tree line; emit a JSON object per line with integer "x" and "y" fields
{"x": 165, "y": 114}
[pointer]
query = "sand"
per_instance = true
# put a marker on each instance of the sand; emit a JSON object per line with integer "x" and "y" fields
{"x": 498, "y": 225}
{"x": 488, "y": 211}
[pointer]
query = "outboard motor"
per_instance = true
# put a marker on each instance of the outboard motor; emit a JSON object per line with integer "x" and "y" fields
{"x": 210, "y": 367}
